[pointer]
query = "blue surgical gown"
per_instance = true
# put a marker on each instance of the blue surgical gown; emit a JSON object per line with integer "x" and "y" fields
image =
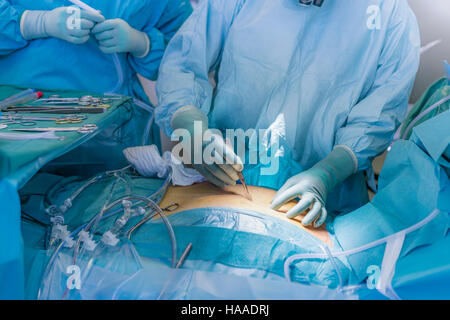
{"x": 56, "y": 64}
{"x": 336, "y": 75}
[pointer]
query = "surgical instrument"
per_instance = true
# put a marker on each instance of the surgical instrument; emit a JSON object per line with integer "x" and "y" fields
{"x": 27, "y": 120}
{"x": 184, "y": 256}
{"x": 158, "y": 211}
{"x": 68, "y": 105}
{"x": 12, "y": 136}
{"x": 244, "y": 184}
{"x": 62, "y": 118}
{"x": 171, "y": 207}
{"x": 56, "y": 110}
{"x": 179, "y": 264}
{"x": 21, "y": 98}
{"x": 23, "y": 122}
{"x": 87, "y": 128}
{"x": 82, "y": 101}
{"x": 62, "y": 106}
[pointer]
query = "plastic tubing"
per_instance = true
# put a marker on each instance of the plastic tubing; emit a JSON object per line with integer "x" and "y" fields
{"x": 148, "y": 127}
{"x": 58, "y": 248}
{"x": 154, "y": 195}
{"x": 119, "y": 72}
{"x": 329, "y": 254}
{"x": 423, "y": 114}
{"x": 148, "y": 201}
{"x": 166, "y": 222}
{"x": 96, "y": 220}
{"x": 84, "y": 6}
{"x": 104, "y": 208}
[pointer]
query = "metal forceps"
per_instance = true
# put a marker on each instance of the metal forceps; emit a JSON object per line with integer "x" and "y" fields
{"x": 81, "y": 101}
{"x": 7, "y": 120}
{"x": 70, "y": 119}
{"x": 87, "y": 128}
{"x": 30, "y": 120}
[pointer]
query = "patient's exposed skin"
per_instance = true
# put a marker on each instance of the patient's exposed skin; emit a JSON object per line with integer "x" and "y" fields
{"x": 206, "y": 195}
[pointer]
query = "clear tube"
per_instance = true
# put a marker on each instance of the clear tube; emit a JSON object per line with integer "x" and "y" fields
{"x": 93, "y": 227}
{"x": 85, "y": 186}
{"x": 119, "y": 72}
{"x": 330, "y": 255}
{"x": 150, "y": 121}
{"x": 154, "y": 206}
{"x": 156, "y": 196}
{"x": 17, "y": 98}
{"x": 166, "y": 221}
{"x": 423, "y": 114}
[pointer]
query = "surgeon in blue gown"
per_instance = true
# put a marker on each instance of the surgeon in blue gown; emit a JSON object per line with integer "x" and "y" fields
{"x": 38, "y": 51}
{"x": 42, "y": 46}
{"x": 331, "y": 79}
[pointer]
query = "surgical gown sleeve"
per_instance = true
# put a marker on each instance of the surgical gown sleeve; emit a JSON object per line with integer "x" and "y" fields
{"x": 11, "y": 38}
{"x": 170, "y": 20}
{"x": 193, "y": 52}
{"x": 412, "y": 185}
{"x": 372, "y": 122}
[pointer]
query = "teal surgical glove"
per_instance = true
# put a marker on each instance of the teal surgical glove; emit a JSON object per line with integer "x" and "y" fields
{"x": 66, "y": 23}
{"x": 222, "y": 167}
{"x": 313, "y": 186}
{"x": 117, "y": 36}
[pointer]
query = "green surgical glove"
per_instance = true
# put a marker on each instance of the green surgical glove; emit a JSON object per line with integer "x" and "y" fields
{"x": 62, "y": 23}
{"x": 117, "y": 36}
{"x": 313, "y": 186}
{"x": 223, "y": 167}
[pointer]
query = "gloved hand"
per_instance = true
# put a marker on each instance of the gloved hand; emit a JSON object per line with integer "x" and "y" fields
{"x": 59, "y": 23}
{"x": 222, "y": 169}
{"x": 117, "y": 36}
{"x": 313, "y": 186}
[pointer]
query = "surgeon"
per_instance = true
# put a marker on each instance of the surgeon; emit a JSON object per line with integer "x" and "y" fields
{"x": 51, "y": 45}
{"x": 330, "y": 79}
{"x": 54, "y": 45}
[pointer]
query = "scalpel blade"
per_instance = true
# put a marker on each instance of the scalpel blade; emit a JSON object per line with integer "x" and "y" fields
{"x": 244, "y": 184}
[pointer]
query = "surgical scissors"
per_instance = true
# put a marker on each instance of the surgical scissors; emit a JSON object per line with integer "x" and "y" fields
{"x": 87, "y": 128}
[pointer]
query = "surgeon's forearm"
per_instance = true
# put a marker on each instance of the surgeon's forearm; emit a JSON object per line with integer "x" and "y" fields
{"x": 173, "y": 18}
{"x": 371, "y": 123}
{"x": 11, "y": 38}
{"x": 190, "y": 56}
